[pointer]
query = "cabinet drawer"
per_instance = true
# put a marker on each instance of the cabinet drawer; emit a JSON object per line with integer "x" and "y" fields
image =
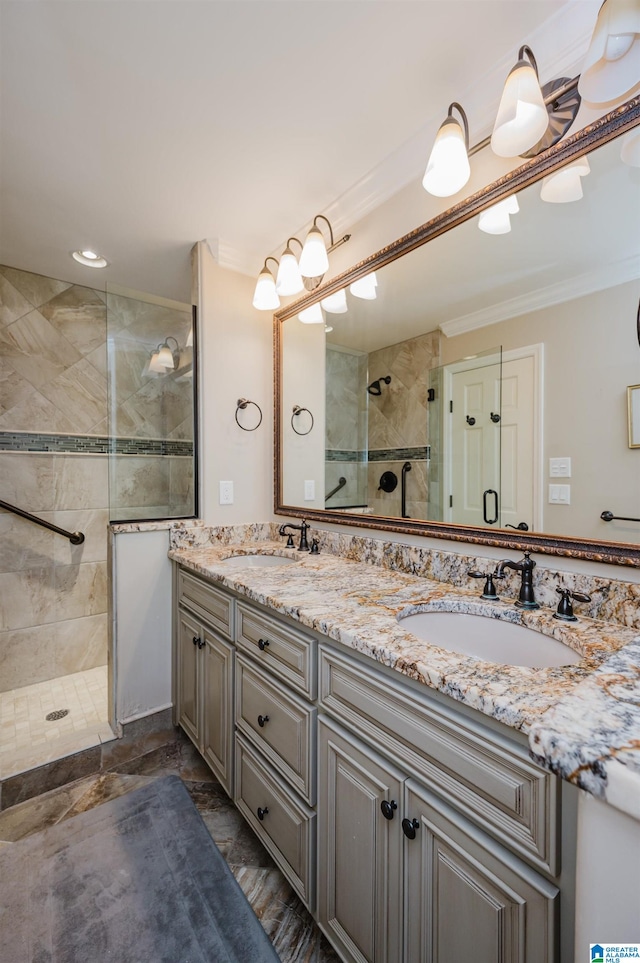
{"x": 283, "y": 651}
{"x": 280, "y": 724}
{"x": 486, "y": 776}
{"x": 208, "y": 602}
{"x": 287, "y": 829}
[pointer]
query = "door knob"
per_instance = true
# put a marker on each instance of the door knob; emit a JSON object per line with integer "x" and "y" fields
{"x": 409, "y": 827}
{"x": 388, "y": 808}
{"x": 262, "y": 721}
{"x": 262, "y": 812}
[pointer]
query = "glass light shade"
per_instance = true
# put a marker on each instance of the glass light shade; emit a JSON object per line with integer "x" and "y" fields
{"x": 522, "y": 116}
{"x": 610, "y": 69}
{"x": 365, "y": 288}
{"x": 165, "y": 357}
{"x": 336, "y": 303}
{"x": 265, "y": 297}
{"x": 312, "y": 315}
{"x": 314, "y": 261}
{"x": 156, "y": 365}
{"x": 565, "y": 185}
{"x": 630, "y": 150}
{"x": 288, "y": 280}
{"x": 495, "y": 220}
{"x": 189, "y": 343}
{"x": 448, "y": 167}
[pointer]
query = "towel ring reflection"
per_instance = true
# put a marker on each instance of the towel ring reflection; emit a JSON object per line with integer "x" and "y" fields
{"x": 297, "y": 410}
{"x": 242, "y": 404}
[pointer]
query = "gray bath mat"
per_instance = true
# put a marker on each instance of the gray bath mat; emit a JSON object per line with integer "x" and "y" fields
{"x": 136, "y": 880}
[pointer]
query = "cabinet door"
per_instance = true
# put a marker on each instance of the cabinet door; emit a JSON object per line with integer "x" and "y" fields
{"x": 188, "y": 679}
{"x": 216, "y": 666}
{"x": 468, "y": 898}
{"x": 359, "y": 850}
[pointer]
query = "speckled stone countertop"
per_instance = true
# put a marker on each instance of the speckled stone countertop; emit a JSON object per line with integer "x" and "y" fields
{"x": 582, "y": 720}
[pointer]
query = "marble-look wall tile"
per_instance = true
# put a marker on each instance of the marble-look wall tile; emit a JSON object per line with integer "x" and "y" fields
{"x": 27, "y": 597}
{"x": 80, "y": 394}
{"x": 80, "y": 590}
{"x": 36, "y": 350}
{"x": 93, "y": 523}
{"x": 14, "y": 389}
{"x": 80, "y": 316}
{"x": 36, "y": 288}
{"x": 41, "y": 652}
{"x": 181, "y": 493}
{"x": 346, "y": 400}
{"x": 27, "y": 480}
{"x": 138, "y": 482}
{"x": 80, "y": 481}
{"x": 355, "y": 490}
{"x": 24, "y": 545}
{"x": 155, "y": 410}
{"x": 35, "y": 413}
{"x": 12, "y": 304}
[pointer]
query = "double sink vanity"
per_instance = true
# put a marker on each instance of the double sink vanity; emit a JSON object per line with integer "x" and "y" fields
{"x": 393, "y": 738}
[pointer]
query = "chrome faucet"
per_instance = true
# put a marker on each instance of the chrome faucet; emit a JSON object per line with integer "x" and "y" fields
{"x": 526, "y": 598}
{"x": 303, "y": 528}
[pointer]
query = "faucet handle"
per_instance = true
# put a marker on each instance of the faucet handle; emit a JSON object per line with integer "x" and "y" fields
{"x": 489, "y": 591}
{"x": 565, "y": 607}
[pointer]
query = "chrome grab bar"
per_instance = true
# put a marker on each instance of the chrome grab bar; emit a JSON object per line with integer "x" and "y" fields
{"x": 76, "y": 538}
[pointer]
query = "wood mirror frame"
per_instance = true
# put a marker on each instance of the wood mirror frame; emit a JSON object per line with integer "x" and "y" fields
{"x": 594, "y": 135}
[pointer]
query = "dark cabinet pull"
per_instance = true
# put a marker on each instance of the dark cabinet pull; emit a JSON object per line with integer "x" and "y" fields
{"x": 262, "y": 644}
{"x": 495, "y": 418}
{"x": 490, "y": 491}
{"x": 409, "y": 827}
{"x": 388, "y": 808}
{"x": 201, "y": 643}
{"x": 471, "y": 420}
{"x": 196, "y": 640}
{"x": 262, "y": 812}
{"x": 262, "y": 721}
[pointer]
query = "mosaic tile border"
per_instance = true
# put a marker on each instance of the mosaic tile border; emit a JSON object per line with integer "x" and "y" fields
{"x": 93, "y": 444}
{"x": 419, "y": 453}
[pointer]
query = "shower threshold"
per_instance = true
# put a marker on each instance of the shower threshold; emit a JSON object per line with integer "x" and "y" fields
{"x": 35, "y": 728}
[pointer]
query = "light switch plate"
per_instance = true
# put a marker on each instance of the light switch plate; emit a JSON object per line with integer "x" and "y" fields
{"x": 559, "y": 494}
{"x": 309, "y": 490}
{"x": 226, "y": 493}
{"x": 560, "y": 468}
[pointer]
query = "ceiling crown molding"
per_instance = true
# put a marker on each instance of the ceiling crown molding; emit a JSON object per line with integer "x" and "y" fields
{"x": 605, "y": 276}
{"x": 228, "y": 256}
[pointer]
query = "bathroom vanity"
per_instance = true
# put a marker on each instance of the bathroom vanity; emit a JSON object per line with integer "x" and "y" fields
{"x": 412, "y": 825}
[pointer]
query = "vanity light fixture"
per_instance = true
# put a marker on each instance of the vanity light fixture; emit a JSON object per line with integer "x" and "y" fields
{"x": 630, "y": 150}
{"x": 165, "y": 358}
{"x": 566, "y": 184}
{"x": 336, "y": 303}
{"x": 89, "y": 259}
{"x": 448, "y": 167}
{"x": 314, "y": 261}
{"x": 611, "y": 66}
{"x": 265, "y": 297}
{"x": 312, "y": 315}
{"x": 522, "y": 115}
{"x": 496, "y": 219}
{"x": 289, "y": 279}
{"x": 365, "y": 287}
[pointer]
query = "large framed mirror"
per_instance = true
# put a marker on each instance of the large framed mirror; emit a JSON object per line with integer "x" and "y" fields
{"x": 478, "y": 392}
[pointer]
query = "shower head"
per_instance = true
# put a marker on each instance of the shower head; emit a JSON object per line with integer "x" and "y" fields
{"x": 374, "y": 388}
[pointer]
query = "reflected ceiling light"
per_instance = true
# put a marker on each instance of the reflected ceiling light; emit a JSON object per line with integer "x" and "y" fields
{"x": 265, "y": 297}
{"x": 566, "y": 184}
{"x": 189, "y": 342}
{"x": 496, "y": 219}
{"x": 89, "y": 259}
{"x": 312, "y": 315}
{"x": 610, "y": 68}
{"x": 630, "y": 150}
{"x": 165, "y": 358}
{"x": 448, "y": 167}
{"x": 522, "y": 115}
{"x": 365, "y": 287}
{"x": 336, "y": 303}
{"x": 289, "y": 280}
{"x": 328, "y": 328}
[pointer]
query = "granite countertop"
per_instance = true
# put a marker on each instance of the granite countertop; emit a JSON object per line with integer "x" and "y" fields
{"x": 582, "y": 720}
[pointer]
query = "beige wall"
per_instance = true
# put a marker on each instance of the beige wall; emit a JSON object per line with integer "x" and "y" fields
{"x": 590, "y": 356}
{"x": 235, "y": 362}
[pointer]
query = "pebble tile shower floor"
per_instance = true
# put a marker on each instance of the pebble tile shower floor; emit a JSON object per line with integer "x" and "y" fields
{"x": 28, "y": 739}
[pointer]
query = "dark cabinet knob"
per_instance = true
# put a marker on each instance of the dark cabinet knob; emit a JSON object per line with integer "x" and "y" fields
{"x": 409, "y": 827}
{"x": 262, "y": 812}
{"x": 262, "y": 644}
{"x": 262, "y": 721}
{"x": 196, "y": 640}
{"x": 201, "y": 643}
{"x": 388, "y": 808}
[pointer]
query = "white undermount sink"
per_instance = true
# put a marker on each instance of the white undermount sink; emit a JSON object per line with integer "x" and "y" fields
{"x": 493, "y": 640}
{"x": 256, "y": 561}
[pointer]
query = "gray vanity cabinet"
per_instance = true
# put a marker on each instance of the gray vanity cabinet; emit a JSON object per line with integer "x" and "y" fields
{"x": 204, "y": 669}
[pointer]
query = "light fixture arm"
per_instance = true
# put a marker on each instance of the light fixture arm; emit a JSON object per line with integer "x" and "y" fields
{"x": 297, "y": 240}
{"x": 270, "y": 258}
{"x": 328, "y": 223}
{"x": 525, "y": 50}
{"x": 465, "y": 121}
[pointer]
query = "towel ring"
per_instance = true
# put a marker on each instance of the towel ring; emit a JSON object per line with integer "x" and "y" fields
{"x": 242, "y": 404}
{"x": 297, "y": 410}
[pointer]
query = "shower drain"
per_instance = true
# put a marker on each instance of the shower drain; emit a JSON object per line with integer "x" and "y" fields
{"x": 58, "y": 714}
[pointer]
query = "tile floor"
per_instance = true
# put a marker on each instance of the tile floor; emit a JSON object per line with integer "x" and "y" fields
{"x": 27, "y": 739}
{"x": 291, "y": 929}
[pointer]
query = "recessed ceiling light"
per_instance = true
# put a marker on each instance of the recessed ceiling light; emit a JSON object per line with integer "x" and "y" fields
{"x": 90, "y": 259}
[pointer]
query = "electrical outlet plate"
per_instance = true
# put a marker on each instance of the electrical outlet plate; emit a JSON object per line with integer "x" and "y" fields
{"x": 226, "y": 493}
{"x": 309, "y": 490}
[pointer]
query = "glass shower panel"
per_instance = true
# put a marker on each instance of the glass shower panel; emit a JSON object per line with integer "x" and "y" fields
{"x": 345, "y": 429}
{"x": 150, "y": 344}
